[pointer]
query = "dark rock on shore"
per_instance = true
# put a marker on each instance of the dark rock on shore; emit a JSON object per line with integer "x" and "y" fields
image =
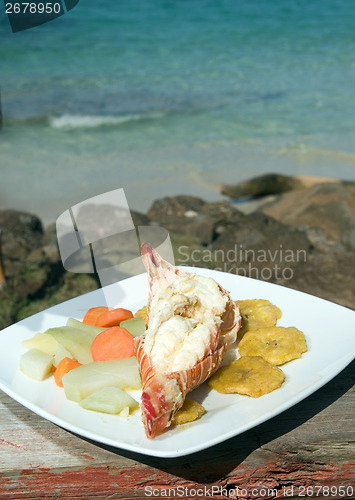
{"x": 303, "y": 239}
{"x": 34, "y": 277}
{"x": 328, "y": 207}
{"x": 183, "y": 214}
{"x": 261, "y": 186}
{"x": 24, "y": 261}
{"x": 20, "y": 232}
{"x": 139, "y": 219}
{"x": 175, "y": 206}
{"x": 269, "y": 184}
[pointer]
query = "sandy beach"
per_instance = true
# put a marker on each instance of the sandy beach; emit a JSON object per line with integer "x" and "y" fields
{"x": 57, "y": 180}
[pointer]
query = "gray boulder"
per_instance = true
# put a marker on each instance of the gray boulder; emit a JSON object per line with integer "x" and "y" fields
{"x": 329, "y": 207}
{"x": 25, "y": 265}
{"x": 261, "y": 186}
{"x": 183, "y": 215}
{"x": 271, "y": 184}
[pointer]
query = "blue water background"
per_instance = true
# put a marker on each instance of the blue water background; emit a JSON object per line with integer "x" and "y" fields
{"x": 163, "y": 97}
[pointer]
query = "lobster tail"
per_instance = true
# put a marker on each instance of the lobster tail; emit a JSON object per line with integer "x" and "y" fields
{"x": 192, "y": 319}
{"x": 163, "y": 395}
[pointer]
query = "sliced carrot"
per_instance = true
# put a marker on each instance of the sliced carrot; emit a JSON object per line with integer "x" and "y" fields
{"x": 64, "y": 366}
{"x": 93, "y": 313}
{"x": 114, "y": 343}
{"x": 113, "y": 317}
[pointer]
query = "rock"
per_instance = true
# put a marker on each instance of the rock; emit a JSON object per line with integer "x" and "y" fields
{"x": 185, "y": 247}
{"x": 183, "y": 215}
{"x": 50, "y": 235}
{"x": 200, "y": 226}
{"x": 220, "y": 212}
{"x": 25, "y": 266}
{"x": 245, "y": 244}
{"x": 330, "y": 276}
{"x": 139, "y": 219}
{"x": 269, "y": 184}
{"x": 2, "y": 274}
{"x": 261, "y": 186}
{"x": 319, "y": 240}
{"x": 329, "y": 207}
{"x": 20, "y": 233}
{"x": 175, "y": 206}
{"x": 7, "y": 306}
{"x": 50, "y": 244}
{"x": 68, "y": 286}
{"x": 348, "y": 237}
{"x": 32, "y": 267}
{"x": 30, "y": 280}
{"x": 260, "y": 247}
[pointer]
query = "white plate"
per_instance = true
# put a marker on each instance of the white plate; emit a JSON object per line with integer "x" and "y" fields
{"x": 328, "y": 328}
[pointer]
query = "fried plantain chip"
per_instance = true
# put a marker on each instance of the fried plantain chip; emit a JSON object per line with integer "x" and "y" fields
{"x": 143, "y": 313}
{"x": 249, "y": 375}
{"x": 277, "y": 344}
{"x": 257, "y": 313}
{"x": 190, "y": 411}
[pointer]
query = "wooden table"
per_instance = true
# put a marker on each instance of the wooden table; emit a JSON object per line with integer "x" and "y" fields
{"x": 309, "y": 445}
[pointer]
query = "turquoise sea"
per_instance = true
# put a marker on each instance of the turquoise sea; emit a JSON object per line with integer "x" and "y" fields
{"x": 165, "y": 97}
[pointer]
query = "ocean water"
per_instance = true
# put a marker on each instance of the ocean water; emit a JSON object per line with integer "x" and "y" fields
{"x": 162, "y": 97}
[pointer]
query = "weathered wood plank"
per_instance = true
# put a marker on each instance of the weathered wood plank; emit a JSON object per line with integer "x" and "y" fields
{"x": 134, "y": 481}
{"x": 309, "y": 445}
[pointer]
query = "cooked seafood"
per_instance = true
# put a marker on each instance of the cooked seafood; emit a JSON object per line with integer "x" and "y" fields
{"x": 192, "y": 320}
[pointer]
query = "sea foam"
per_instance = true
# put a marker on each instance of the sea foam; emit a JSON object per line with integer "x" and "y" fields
{"x": 69, "y": 121}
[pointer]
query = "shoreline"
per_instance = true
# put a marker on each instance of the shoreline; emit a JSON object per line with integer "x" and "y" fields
{"x": 57, "y": 180}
